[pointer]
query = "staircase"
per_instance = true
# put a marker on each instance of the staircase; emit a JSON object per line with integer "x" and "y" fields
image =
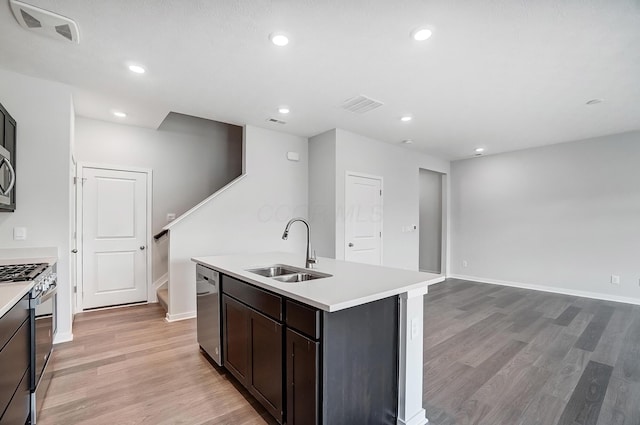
{"x": 163, "y": 296}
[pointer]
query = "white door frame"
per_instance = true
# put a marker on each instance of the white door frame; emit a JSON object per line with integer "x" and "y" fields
{"x": 79, "y": 220}
{"x": 344, "y": 234}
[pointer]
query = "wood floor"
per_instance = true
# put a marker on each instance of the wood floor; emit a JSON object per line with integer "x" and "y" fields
{"x": 503, "y": 356}
{"x": 128, "y": 366}
{"x": 493, "y": 356}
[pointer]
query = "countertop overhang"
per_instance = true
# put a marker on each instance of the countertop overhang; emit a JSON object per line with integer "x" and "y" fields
{"x": 11, "y": 293}
{"x": 351, "y": 284}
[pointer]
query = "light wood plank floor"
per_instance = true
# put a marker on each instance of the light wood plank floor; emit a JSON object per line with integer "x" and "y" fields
{"x": 493, "y": 356}
{"x": 128, "y": 366}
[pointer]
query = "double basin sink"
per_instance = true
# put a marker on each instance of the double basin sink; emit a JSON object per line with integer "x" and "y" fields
{"x": 288, "y": 274}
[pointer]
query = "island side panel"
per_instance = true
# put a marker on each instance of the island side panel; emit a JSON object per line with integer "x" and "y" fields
{"x": 360, "y": 364}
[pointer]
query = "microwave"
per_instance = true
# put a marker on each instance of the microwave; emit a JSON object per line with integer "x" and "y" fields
{"x": 7, "y": 161}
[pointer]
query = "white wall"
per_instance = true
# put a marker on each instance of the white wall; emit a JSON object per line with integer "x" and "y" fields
{"x": 430, "y": 221}
{"x": 562, "y": 217}
{"x": 44, "y": 113}
{"x": 322, "y": 196}
{"x": 248, "y": 217}
{"x": 399, "y": 168}
{"x": 191, "y": 158}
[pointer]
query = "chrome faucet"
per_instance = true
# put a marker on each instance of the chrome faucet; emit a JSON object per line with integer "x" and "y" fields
{"x": 310, "y": 260}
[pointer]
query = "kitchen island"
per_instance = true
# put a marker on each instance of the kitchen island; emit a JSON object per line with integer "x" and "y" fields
{"x": 345, "y": 348}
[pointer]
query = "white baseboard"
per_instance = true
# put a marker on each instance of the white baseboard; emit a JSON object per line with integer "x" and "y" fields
{"x": 543, "y": 288}
{"x": 63, "y": 337}
{"x": 180, "y": 316}
{"x": 418, "y": 419}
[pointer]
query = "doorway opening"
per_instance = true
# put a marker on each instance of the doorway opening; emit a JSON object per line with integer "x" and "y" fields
{"x": 432, "y": 213}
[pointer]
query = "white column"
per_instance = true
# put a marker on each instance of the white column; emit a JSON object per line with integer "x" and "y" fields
{"x": 410, "y": 410}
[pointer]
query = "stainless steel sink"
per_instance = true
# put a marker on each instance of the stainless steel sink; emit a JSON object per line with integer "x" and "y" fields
{"x": 298, "y": 277}
{"x": 288, "y": 274}
{"x": 277, "y": 270}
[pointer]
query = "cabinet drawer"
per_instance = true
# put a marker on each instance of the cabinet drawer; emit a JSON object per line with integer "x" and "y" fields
{"x": 263, "y": 301}
{"x": 303, "y": 319}
{"x": 14, "y": 361}
{"x": 19, "y": 408}
{"x": 10, "y": 322}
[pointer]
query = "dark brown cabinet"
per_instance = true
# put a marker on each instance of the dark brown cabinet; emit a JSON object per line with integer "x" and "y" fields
{"x": 303, "y": 380}
{"x": 253, "y": 353}
{"x": 235, "y": 320}
{"x": 307, "y": 366}
{"x": 15, "y": 355}
{"x": 266, "y": 363}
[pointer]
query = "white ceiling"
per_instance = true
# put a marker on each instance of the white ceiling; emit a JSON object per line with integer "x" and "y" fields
{"x": 503, "y": 74}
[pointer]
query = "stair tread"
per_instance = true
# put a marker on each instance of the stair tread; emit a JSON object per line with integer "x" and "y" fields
{"x": 163, "y": 297}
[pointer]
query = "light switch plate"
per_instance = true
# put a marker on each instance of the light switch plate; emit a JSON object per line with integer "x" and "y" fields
{"x": 19, "y": 233}
{"x": 293, "y": 156}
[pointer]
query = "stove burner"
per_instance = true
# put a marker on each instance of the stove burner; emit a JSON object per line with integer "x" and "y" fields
{"x": 21, "y": 272}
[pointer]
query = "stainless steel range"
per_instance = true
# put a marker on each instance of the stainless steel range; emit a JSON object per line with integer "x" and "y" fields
{"x": 42, "y": 305}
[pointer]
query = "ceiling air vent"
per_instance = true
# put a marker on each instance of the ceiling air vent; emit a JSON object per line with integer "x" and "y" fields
{"x": 276, "y": 121}
{"x": 361, "y": 104}
{"x": 44, "y": 22}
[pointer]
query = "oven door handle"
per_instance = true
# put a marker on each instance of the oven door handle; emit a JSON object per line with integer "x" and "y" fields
{"x": 46, "y": 297}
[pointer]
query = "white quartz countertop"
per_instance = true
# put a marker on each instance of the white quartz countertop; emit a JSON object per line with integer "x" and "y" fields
{"x": 351, "y": 284}
{"x": 11, "y": 293}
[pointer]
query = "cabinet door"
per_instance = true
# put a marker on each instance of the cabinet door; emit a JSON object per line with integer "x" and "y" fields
{"x": 236, "y": 321}
{"x": 266, "y": 363}
{"x": 303, "y": 379}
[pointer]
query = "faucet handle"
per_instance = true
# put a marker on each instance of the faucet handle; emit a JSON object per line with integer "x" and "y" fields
{"x": 313, "y": 260}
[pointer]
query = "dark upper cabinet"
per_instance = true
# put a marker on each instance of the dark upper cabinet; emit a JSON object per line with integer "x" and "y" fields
{"x": 303, "y": 379}
{"x": 7, "y": 161}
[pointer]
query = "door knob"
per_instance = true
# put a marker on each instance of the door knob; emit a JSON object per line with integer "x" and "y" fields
{"x": 142, "y": 248}
{"x": 350, "y": 245}
{"x": 75, "y": 251}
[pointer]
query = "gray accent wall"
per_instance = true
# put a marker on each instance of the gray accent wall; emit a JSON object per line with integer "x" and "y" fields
{"x": 563, "y": 217}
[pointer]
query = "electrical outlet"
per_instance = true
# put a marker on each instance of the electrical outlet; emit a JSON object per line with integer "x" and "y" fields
{"x": 415, "y": 326}
{"x": 171, "y": 217}
{"x": 464, "y": 263}
{"x": 615, "y": 279}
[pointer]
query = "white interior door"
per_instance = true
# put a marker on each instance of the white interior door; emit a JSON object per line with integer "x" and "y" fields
{"x": 363, "y": 219}
{"x": 114, "y": 222}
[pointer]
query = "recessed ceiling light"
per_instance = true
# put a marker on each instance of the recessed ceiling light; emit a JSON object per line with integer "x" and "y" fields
{"x": 137, "y": 69}
{"x": 119, "y": 114}
{"x": 407, "y": 141}
{"x": 594, "y": 101}
{"x": 421, "y": 34}
{"x": 284, "y": 110}
{"x": 479, "y": 150}
{"x": 279, "y": 39}
{"x": 406, "y": 118}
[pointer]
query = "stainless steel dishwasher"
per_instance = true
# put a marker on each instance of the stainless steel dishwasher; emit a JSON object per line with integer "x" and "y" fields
{"x": 208, "y": 304}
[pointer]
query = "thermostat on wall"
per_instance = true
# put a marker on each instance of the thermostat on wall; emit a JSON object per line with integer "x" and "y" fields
{"x": 293, "y": 156}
